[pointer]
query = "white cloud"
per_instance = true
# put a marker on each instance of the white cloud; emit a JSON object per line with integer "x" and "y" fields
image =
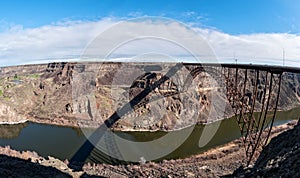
{"x": 189, "y": 13}
{"x": 255, "y": 48}
{"x": 68, "y": 40}
{"x": 18, "y": 45}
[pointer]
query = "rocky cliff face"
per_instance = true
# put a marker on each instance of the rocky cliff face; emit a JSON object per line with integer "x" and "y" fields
{"x": 40, "y": 96}
{"x": 87, "y": 94}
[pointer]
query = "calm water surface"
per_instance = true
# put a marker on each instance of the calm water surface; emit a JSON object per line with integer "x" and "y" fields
{"x": 63, "y": 142}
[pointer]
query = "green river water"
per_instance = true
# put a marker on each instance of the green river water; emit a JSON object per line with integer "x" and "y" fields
{"x": 63, "y": 142}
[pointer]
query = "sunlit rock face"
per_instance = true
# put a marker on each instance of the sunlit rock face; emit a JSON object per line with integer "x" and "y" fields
{"x": 86, "y": 94}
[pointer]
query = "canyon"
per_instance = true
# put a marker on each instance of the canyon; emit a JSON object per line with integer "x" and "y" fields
{"x": 86, "y": 94}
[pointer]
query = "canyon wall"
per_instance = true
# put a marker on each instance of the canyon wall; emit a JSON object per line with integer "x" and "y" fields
{"x": 86, "y": 94}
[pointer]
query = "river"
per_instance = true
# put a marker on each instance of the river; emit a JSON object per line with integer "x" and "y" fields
{"x": 63, "y": 142}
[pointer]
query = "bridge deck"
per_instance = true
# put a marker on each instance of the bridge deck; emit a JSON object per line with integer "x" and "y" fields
{"x": 270, "y": 68}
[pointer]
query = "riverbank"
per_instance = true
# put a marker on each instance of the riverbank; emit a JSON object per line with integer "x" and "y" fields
{"x": 219, "y": 161}
{"x": 291, "y": 113}
{"x": 12, "y": 123}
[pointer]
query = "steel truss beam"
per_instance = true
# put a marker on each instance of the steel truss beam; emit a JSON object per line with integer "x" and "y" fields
{"x": 251, "y": 125}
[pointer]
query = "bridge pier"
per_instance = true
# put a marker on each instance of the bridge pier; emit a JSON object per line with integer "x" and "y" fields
{"x": 251, "y": 90}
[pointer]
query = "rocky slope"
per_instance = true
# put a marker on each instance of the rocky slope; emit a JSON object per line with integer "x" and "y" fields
{"x": 86, "y": 94}
{"x": 280, "y": 158}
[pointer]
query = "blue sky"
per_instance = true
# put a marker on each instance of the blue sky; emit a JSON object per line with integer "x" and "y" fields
{"x": 251, "y": 30}
{"x": 230, "y": 16}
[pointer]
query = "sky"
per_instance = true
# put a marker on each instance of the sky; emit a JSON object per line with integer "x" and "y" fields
{"x": 258, "y": 30}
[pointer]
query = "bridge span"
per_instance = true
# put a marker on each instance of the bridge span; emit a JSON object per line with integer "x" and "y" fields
{"x": 252, "y": 126}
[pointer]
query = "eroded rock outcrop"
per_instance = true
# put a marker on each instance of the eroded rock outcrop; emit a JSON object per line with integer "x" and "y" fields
{"x": 86, "y": 94}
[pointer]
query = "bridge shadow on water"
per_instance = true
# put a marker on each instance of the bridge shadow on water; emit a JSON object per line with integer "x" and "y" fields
{"x": 89, "y": 151}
